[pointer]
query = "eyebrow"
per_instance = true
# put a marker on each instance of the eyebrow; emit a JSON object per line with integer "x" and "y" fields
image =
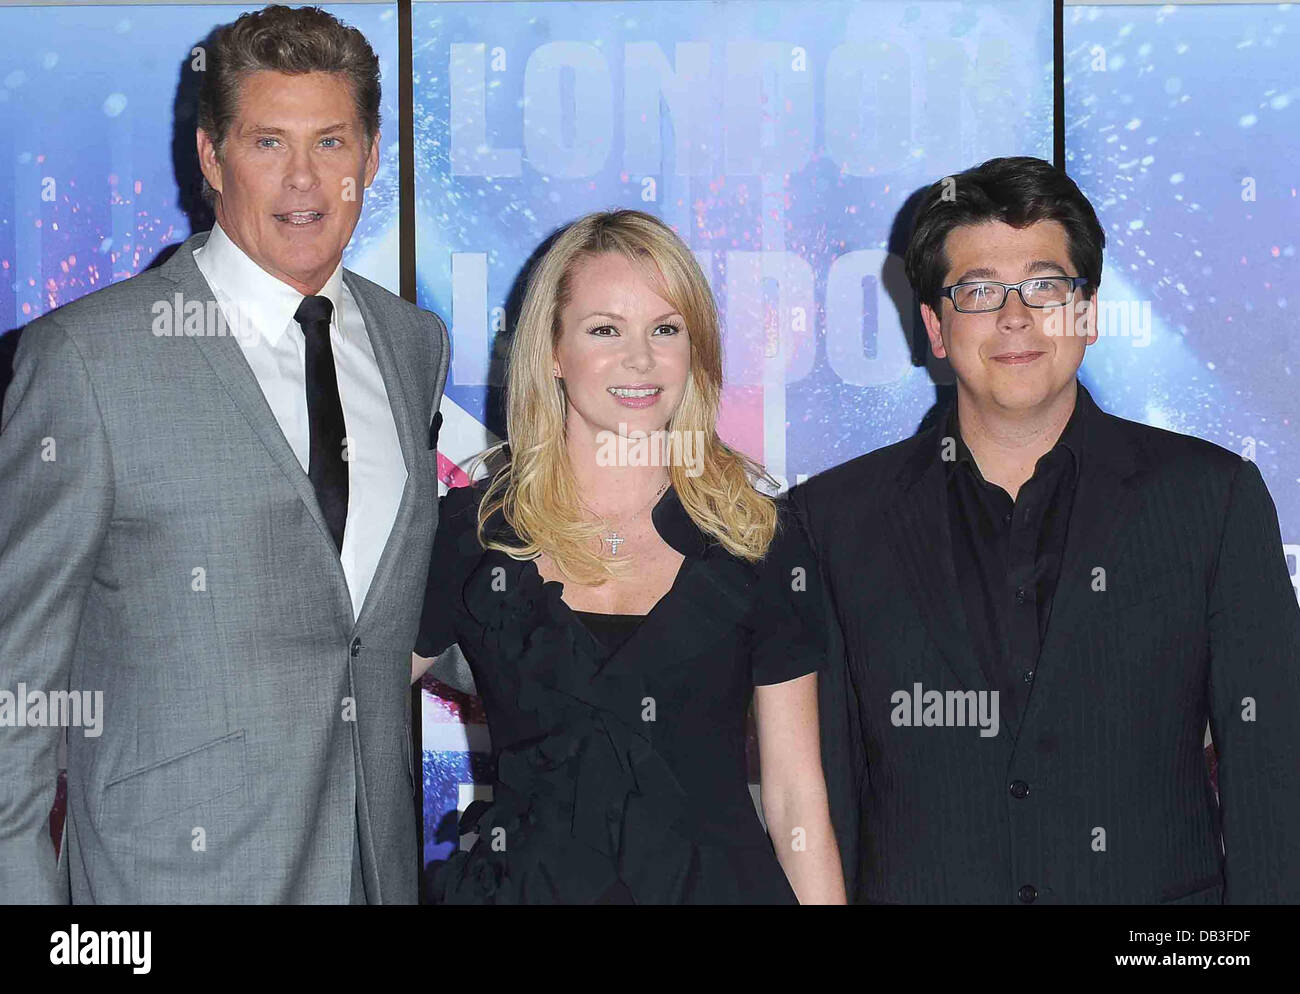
{"x": 266, "y": 129}
{"x": 984, "y": 273}
{"x": 619, "y": 317}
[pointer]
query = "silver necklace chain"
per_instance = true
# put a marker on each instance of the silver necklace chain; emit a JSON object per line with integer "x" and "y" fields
{"x": 614, "y": 539}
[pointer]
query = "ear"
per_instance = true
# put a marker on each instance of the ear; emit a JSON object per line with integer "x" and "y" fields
{"x": 932, "y": 330}
{"x": 372, "y": 160}
{"x": 1085, "y": 319}
{"x": 208, "y": 161}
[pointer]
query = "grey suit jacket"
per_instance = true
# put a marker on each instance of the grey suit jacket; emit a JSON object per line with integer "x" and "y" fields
{"x": 171, "y": 554}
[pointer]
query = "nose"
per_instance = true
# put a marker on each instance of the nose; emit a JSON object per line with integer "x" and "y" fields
{"x": 638, "y": 356}
{"x": 301, "y": 175}
{"x": 1014, "y": 315}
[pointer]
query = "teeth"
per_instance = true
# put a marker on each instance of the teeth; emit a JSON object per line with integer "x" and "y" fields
{"x": 301, "y": 217}
{"x": 629, "y": 392}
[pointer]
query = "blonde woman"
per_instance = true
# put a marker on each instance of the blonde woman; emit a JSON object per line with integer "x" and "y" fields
{"x": 620, "y": 590}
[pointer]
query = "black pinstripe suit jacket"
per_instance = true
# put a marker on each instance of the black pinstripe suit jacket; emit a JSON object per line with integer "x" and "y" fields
{"x": 1174, "y": 608}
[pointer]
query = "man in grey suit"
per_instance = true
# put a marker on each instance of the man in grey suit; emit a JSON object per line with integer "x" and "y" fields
{"x": 218, "y": 495}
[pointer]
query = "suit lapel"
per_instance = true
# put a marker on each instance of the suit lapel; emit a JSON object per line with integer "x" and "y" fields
{"x": 224, "y": 355}
{"x": 410, "y": 433}
{"x": 1104, "y": 500}
{"x": 916, "y": 524}
{"x": 226, "y": 358}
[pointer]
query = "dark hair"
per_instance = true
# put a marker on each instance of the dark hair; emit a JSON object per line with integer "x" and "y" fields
{"x": 1018, "y": 191}
{"x": 291, "y": 40}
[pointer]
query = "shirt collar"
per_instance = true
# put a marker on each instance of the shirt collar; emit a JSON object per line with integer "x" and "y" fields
{"x": 1071, "y": 439}
{"x": 266, "y": 302}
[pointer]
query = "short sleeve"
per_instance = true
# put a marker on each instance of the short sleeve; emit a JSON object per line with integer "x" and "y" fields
{"x": 788, "y": 621}
{"x": 455, "y": 550}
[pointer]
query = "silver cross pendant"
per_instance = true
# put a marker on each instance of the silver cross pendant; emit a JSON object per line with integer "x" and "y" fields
{"x": 614, "y": 540}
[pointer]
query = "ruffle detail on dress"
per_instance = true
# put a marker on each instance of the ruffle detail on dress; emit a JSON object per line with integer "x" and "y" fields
{"x": 589, "y": 802}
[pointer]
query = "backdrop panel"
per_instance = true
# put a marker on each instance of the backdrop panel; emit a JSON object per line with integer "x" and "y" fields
{"x": 1181, "y": 126}
{"x": 98, "y": 173}
{"x": 781, "y": 140}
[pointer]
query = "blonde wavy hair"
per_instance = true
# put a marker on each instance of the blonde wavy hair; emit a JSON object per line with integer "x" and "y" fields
{"x": 536, "y": 490}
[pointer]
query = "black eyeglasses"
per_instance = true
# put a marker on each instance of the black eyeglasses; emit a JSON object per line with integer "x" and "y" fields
{"x": 978, "y": 296}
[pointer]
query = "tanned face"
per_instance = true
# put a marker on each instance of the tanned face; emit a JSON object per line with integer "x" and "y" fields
{"x": 292, "y": 173}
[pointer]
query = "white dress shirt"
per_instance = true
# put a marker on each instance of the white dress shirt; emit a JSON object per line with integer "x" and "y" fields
{"x": 249, "y": 295}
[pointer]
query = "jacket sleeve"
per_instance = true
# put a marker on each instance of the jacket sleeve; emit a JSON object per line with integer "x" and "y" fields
{"x": 455, "y": 550}
{"x": 56, "y": 493}
{"x": 1254, "y": 629}
{"x": 843, "y": 758}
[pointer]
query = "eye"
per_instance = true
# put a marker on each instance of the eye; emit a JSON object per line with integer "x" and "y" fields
{"x": 599, "y": 331}
{"x": 669, "y": 329}
{"x": 333, "y": 139}
{"x": 265, "y": 138}
{"x": 979, "y": 289}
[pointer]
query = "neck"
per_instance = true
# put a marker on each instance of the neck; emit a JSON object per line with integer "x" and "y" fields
{"x": 1008, "y": 444}
{"x": 609, "y": 490}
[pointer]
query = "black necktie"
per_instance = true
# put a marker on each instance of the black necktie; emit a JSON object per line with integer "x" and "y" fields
{"x": 327, "y": 469}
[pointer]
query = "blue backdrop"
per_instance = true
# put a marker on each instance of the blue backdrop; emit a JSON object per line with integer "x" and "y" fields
{"x": 781, "y": 140}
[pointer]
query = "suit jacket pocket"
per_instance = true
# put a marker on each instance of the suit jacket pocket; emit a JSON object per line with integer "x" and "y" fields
{"x": 172, "y": 785}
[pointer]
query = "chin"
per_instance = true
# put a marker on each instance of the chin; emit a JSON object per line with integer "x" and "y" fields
{"x": 1011, "y": 395}
{"x": 305, "y": 259}
{"x": 635, "y": 422}
{"x": 1024, "y": 397}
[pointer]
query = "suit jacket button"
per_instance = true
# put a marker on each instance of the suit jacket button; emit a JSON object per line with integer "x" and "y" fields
{"x": 1027, "y": 894}
{"x": 356, "y": 647}
{"x": 1019, "y": 789}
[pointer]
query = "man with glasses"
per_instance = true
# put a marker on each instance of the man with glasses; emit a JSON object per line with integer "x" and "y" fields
{"x": 1037, "y": 607}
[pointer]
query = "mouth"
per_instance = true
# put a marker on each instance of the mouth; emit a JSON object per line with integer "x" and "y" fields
{"x": 299, "y": 219}
{"x": 636, "y": 396}
{"x": 1017, "y": 358}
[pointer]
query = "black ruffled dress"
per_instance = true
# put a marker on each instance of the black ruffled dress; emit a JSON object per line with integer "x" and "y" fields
{"x": 620, "y": 775}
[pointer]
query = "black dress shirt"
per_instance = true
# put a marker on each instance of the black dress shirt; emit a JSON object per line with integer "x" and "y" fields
{"x": 1007, "y": 556}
